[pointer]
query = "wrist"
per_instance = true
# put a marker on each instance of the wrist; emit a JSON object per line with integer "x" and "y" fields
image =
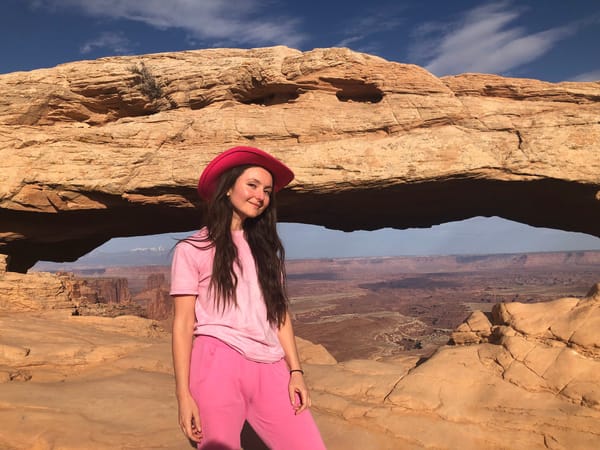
{"x": 183, "y": 393}
{"x": 300, "y": 371}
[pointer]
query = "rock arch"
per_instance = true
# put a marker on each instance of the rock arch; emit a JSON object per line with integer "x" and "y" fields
{"x": 113, "y": 147}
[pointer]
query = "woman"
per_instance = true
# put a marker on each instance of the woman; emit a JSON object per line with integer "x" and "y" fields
{"x": 234, "y": 351}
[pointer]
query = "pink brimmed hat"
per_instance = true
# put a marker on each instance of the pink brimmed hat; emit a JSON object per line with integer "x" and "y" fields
{"x": 238, "y": 156}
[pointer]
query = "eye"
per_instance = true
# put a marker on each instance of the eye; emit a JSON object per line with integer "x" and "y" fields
{"x": 268, "y": 193}
{"x": 252, "y": 185}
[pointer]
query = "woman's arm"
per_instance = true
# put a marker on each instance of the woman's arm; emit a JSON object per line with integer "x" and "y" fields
{"x": 183, "y": 330}
{"x": 297, "y": 384}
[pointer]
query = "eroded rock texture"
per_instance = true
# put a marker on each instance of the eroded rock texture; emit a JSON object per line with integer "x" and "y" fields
{"x": 42, "y": 291}
{"x": 113, "y": 147}
{"x": 534, "y": 384}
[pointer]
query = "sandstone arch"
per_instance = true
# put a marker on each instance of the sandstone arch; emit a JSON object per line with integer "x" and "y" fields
{"x": 98, "y": 149}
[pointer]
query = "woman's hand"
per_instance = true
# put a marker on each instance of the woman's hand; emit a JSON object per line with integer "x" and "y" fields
{"x": 183, "y": 331}
{"x": 299, "y": 395}
{"x": 189, "y": 418}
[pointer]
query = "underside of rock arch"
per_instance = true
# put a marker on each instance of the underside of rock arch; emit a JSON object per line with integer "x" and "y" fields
{"x": 113, "y": 147}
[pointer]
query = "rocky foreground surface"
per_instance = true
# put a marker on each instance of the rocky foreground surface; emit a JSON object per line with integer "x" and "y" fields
{"x": 525, "y": 377}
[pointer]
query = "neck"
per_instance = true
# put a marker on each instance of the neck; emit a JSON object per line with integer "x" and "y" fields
{"x": 236, "y": 223}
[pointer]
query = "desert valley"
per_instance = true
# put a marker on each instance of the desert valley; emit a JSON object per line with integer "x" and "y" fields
{"x": 441, "y": 352}
{"x": 400, "y": 352}
{"x": 371, "y": 308}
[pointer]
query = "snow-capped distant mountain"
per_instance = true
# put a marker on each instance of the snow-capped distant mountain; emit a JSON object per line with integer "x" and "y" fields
{"x": 134, "y": 257}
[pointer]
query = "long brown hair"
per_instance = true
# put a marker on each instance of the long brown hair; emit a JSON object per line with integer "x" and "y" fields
{"x": 263, "y": 240}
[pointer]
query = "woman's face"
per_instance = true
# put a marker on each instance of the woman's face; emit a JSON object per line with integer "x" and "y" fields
{"x": 250, "y": 195}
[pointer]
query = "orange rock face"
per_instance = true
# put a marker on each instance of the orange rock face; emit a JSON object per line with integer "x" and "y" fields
{"x": 93, "y": 150}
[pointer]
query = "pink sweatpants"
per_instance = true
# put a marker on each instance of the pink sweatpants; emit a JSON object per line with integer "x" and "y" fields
{"x": 230, "y": 389}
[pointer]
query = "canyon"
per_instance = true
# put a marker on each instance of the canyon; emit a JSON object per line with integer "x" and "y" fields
{"x": 373, "y": 308}
{"x": 400, "y": 352}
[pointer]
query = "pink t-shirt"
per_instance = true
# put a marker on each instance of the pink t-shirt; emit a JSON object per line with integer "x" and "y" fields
{"x": 245, "y": 327}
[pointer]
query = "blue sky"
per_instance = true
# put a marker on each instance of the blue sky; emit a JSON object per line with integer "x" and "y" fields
{"x": 553, "y": 40}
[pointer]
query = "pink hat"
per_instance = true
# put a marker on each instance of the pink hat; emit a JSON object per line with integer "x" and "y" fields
{"x": 238, "y": 156}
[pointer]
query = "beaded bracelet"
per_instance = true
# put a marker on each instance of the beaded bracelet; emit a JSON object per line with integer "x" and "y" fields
{"x": 297, "y": 370}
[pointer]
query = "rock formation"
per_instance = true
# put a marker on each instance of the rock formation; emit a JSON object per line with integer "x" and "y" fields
{"x": 40, "y": 291}
{"x": 32, "y": 292}
{"x": 154, "y": 298}
{"x": 532, "y": 384}
{"x": 156, "y": 302}
{"x": 97, "y": 149}
{"x": 102, "y": 290}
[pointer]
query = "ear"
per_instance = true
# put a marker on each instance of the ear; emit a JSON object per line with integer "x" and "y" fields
{"x": 229, "y": 193}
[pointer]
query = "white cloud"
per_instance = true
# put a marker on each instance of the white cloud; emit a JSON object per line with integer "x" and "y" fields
{"x": 234, "y": 21}
{"x": 483, "y": 39}
{"x": 594, "y": 75}
{"x": 115, "y": 42}
{"x": 370, "y": 23}
{"x": 350, "y": 40}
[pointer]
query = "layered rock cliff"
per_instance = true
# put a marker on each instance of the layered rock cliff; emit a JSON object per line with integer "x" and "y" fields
{"x": 97, "y": 149}
{"x": 40, "y": 291}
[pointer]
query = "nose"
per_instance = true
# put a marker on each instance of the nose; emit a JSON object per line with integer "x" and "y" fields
{"x": 260, "y": 195}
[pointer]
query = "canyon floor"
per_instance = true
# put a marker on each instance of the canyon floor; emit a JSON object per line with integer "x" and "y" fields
{"x": 379, "y": 308}
{"x": 382, "y": 307}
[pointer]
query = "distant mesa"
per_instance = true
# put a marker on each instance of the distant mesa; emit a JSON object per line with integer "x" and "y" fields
{"x": 312, "y": 276}
{"x": 408, "y": 283}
